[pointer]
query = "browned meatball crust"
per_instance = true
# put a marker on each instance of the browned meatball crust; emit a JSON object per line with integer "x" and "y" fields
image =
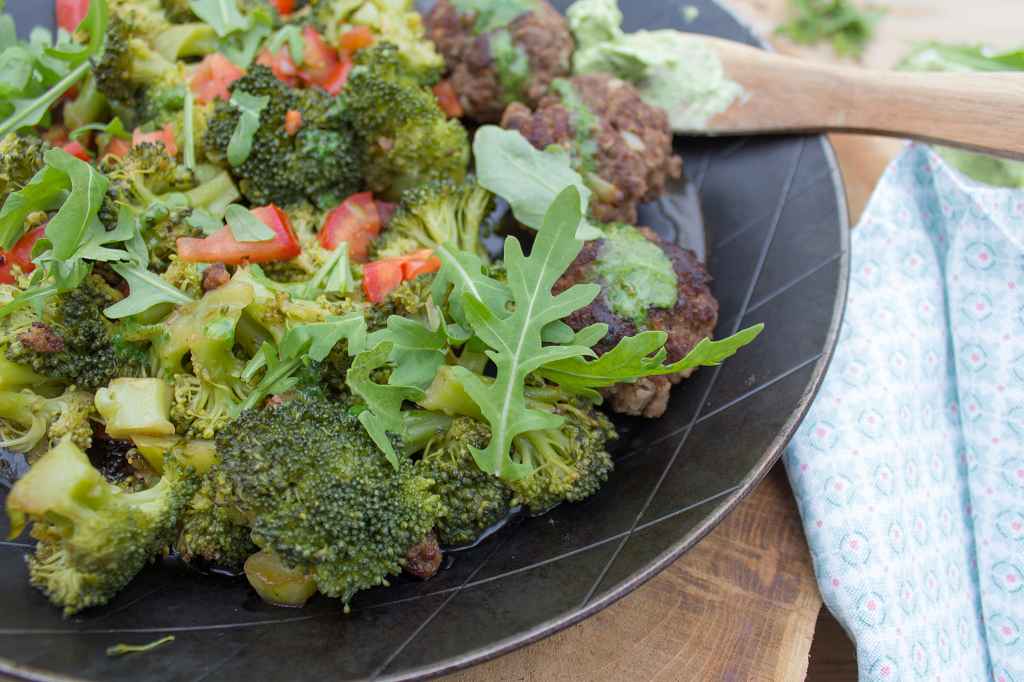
{"x": 542, "y": 34}
{"x": 691, "y": 319}
{"x": 633, "y": 157}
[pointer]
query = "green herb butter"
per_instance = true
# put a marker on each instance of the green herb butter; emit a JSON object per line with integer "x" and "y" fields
{"x": 512, "y": 64}
{"x": 679, "y": 74}
{"x": 493, "y": 14}
{"x": 584, "y": 124}
{"x": 637, "y": 275}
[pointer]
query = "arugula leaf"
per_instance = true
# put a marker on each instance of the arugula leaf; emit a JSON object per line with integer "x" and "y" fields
{"x": 222, "y": 15}
{"x": 241, "y": 46}
{"x": 202, "y": 220}
{"x": 417, "y": 350}
{"x": 88, "y": 187}
{"x": 114, "y": 128}
{"x": 515, "y": 340}
{"x": 71, "y": 183}
{"x": 246, "y": 227}
{"x": 147, "y": 290}
{"x": 637, "y": 356}
{"x": 29, "y": 106}
{"x": 848, "y": 27}
{"x": 292, "y": 35}
{"x": 529, "y": 179}
{"x": 240, "y": 144}
{"x": 318, "y": 339}
{"x": 462, "y": 273}
{"x": 383, "y": 413}
{"x": 314, "y": 341}
{"x": 934, "y": 56}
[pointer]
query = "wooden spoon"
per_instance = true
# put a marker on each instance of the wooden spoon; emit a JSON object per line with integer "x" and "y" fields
{"x": 977, "y": 111}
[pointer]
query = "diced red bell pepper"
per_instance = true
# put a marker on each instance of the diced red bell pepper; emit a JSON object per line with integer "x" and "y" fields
{"x": 222, "y": 247}
{"x": 70, "y": 13}
{"x": 356, "y": 39}
{"x": 319, "y": 61}
{"x": 20, "y": 255}
{"x": 116, "y": 146}
{"x": 419, "y": 263}
{"x": 381, "y": 277}
{"x": 292, "y": 121}
{"x": 355, "y": 221}
{"x": 284, "y": 6}
{"x": 448, "y": 99}
{"x": 164, "y": 135}
{"x": 213, "y": 77}
{"x": 75, "y": 148}
{"x": 281, "y": 64}
{"x": 335, "y": 83}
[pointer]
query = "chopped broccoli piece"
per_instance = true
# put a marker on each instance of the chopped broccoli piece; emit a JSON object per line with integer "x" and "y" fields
{"x": 407, "y": 138}
{"x": 28, "y": 419}
{"x": 21, "y": 156}
{"x": 212, "y": 532}
{"x": 319, "y": 163}
{"x": 474, "y": 499}
{"x": 93, "y": 537}
{"x": 440, "y": 212}
{"x": 72, "y": 342}
{"x": 322, "y": 496}
{"x": 571, "y": 462}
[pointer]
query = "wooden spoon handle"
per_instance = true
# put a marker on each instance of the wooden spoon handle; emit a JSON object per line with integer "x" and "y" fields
{"x": 978, "y": 111}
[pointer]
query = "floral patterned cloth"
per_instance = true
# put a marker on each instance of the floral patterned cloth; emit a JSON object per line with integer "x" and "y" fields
{"x": 909, "y": 469}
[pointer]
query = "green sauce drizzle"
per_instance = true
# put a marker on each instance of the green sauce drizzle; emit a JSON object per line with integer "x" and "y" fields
{"x": 637, "y": 275}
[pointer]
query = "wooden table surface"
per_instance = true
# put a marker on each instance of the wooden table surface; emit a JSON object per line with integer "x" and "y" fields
{"x": 743, "y": 604}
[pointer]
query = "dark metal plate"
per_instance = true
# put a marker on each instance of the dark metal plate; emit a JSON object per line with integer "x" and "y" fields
{"x": 776, "y": 225}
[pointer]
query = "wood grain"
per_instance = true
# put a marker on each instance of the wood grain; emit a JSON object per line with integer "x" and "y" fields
{"x": 784, "y": 94}
{"x": 740, "y": 606}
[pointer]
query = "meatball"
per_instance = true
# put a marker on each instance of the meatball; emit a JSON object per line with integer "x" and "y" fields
{"x": 692, "y": 318}
{"x": 490, "y": 66}
{"x": 619, "y": 143}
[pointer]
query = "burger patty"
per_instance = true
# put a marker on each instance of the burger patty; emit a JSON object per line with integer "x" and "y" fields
{"x": 542, "y": 34}
{"x": 630, "y": 142}
{"x": 691, "y": 319}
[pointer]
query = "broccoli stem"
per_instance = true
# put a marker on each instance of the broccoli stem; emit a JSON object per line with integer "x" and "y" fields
{"x": 214, "y": 195}
{"x": 446, "y": 394}
{"x": 421, "y": 427}
{"x": 186, "y": 40}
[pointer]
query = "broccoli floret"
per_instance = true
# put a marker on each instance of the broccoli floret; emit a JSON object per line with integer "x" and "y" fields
{"x": 21, "y": 156}
{"x": 570, "y": 463}
{"x": 184, "y": 276}
{"x": 474, "y": 500}
{"x": 205, "y": 398}
{"x": 319, "y": 163}
{"x": 393, "y": 21}
{"x": 130, "y": 67}
{"x": 73, "y": 342}
{"x": 27, "y": 418}
{"x": 407, "y": 138}
{"x": 93, "y": 537}
{"x": 212, "y": 532}
{"x": 322, "y": 496}
{"x": 437, "y": 213}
